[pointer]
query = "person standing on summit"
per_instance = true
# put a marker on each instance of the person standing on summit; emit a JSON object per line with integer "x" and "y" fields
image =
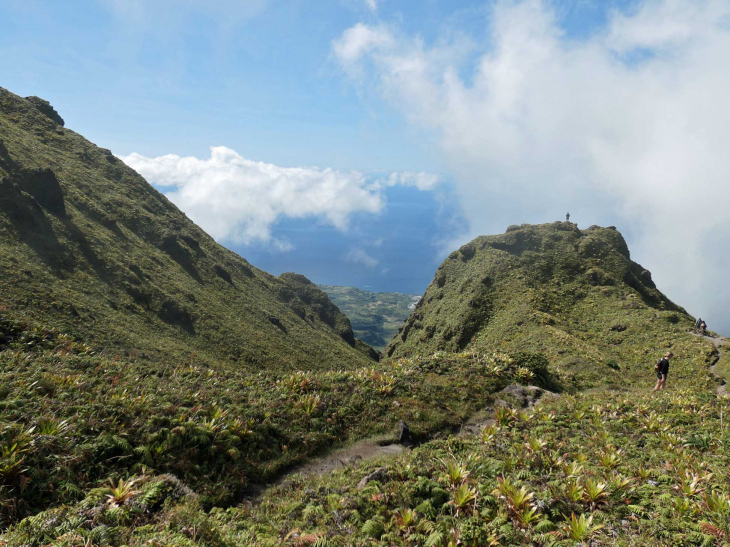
{"x": 567, "y": 217}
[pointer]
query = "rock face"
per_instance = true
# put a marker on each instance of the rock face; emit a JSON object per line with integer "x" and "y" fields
{"x": 404, "y": 434}
{"x": 46, "y": 109}
{"x": 43, "y": 185}
{"x": 304, "y": 297}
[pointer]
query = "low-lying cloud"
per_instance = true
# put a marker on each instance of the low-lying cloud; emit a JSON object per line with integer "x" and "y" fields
{"x": 239, "y": 200}
{"x": 628, "y": 126}
{"x": 359, "y": 256}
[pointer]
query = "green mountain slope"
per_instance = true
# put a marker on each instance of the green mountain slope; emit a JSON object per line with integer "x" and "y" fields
{"x": 573, "y": 295}
{"x": 375, "y": 316}
{"x": 120, "y": 451}
{"x": 87, "y": 245}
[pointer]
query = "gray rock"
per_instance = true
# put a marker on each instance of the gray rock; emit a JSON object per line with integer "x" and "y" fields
{"x": 379, "y": 475}
{"x": 404, "y": 433}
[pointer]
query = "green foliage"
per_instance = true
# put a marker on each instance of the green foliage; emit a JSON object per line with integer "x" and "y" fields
{"x": 87, "y": 245}
{"x": 529, "y": 290}
{"x": 217, "y": 429}
{"x": 596, "y": 467}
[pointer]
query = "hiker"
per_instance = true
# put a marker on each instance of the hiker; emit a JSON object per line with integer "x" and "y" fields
{"x": 703, "y": 328}
{"x": 698, "y": 323}
{"x": 662, "y": 369}
{"x": 567, "y": 217}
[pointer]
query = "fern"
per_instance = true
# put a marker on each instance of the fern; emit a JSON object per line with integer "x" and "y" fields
{"x": 152, "y": 495}
{"x": 543, "y": 526}
{"x": 373, "y": 529}
{"x": 435, "y": 539}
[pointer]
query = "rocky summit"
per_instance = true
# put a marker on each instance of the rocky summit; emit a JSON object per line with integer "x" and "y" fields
{"x": 574, "y": 295}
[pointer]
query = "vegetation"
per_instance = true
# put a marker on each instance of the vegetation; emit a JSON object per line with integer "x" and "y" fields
{"x": 87, "y": 245}
{"x": 375, "y": 316}
{"x": 572, "y": 295}
{"x": 609, "y": 467}
{"x": 71, "y": 419}
{"x": 177, "y": 380}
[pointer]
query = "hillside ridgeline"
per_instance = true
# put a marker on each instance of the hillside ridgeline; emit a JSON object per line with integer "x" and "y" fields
{"x": 573, "y": 295}
{"x": 88, "y": 246}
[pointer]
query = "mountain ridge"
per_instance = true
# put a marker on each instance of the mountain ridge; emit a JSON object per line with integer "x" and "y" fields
{"x": 574, "y": 295}
{"x": 92, "y": 248}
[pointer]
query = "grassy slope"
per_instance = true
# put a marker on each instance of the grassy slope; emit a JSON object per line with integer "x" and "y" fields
{"x": 573, "y": 295}
{"x": 375, "y": 317}
{"x": 70, "y": 419}
{"x": 87, "y": 245}
{"x": 647, "y": 470}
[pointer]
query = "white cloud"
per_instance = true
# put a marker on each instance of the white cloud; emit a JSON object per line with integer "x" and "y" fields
{"x": 422, "y": 181}
{"x": 372, "y": 5}
{"x": 358, "y": 256}
{"x": 627, "y": 127}
{"x": 360, "y": 40}
{"x": 240, "y": 200}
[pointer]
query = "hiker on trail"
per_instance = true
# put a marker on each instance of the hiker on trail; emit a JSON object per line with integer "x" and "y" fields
{"x": 697, "y": 324}
{"x": 662, "y": 369}
{"x": 703, "y": 328}
{"x": 567, "y": 217}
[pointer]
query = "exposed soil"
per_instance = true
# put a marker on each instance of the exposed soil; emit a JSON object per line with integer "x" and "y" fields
{"x": 376, "y": 447}
{"x": 366, "y": 449}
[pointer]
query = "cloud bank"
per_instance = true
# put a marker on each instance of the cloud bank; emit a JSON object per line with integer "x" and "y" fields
{"x": 240, "y": 200}
{"x": 629, "y": 126}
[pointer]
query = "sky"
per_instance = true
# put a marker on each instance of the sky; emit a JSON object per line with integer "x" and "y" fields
{"x": 360, "y": 141}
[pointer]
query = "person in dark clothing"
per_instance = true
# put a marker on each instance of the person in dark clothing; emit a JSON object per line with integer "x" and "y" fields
{"x": 703, "y": 328}
{"x": 567, "y": 217}
{"x": 662, "y": 369}
{"x": 697, "y": 324}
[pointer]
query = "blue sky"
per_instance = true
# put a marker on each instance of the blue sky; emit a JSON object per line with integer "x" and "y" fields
{"x": 403, "y": 129}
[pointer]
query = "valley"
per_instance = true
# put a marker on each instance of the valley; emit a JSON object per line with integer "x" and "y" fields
{"x": 376, "y": 317}
{"x": 157, "y": 389}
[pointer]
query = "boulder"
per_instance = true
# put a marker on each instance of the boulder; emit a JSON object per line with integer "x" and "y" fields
{"x": 379, "y": 475}
{"x": 404, "y": 433}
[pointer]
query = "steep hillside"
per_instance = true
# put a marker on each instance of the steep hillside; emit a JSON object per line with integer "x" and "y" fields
{"x": 87, "y": 245}
{"x": 575, "y": 296}
{"x": 117, "y": 450}
{"x": 375, "y": 316}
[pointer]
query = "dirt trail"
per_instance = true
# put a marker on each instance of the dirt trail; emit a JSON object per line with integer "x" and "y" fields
{"x": 376, "y": 447}
{"x": 366, "y": 449}
{"x": 718, "y": 341}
